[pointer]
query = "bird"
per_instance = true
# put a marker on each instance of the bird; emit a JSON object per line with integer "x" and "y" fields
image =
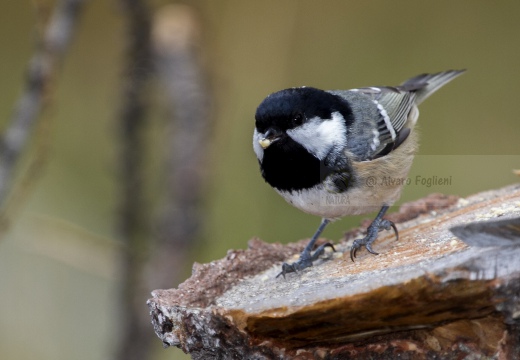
{"x": 334, "y": 153}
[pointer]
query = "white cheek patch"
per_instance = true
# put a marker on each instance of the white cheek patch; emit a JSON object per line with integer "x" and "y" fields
{"x": 319, "y": 137}
{"x": 256, "y": 145}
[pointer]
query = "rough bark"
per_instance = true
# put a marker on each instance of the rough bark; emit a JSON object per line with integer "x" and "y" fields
{"x": 427, "y": 296}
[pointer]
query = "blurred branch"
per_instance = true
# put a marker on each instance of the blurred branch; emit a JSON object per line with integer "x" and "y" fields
{"x": 134, "y": 340}
{"x": 42, "y": 67}
{"x": 175, "y": 36}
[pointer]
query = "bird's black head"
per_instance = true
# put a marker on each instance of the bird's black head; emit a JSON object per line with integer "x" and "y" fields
{"x": 289, "y": 108}
{"x": 291, "y": 148}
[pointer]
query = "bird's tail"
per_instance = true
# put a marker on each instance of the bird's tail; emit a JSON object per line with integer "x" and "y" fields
{"x": 426, "y": 84}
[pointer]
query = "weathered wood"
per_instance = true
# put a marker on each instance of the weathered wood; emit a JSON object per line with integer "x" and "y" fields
{"x": 429, "y": 295}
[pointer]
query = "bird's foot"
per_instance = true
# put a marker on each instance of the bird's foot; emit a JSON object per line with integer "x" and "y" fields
{"x": 372, "y": 232}
{"x": 306, "y": 259}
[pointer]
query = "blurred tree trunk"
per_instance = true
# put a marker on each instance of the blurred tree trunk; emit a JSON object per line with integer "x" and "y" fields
{"x": 164, "y": 46}
{"x": 175, "y": 40}
{"x": 134, "y": 342}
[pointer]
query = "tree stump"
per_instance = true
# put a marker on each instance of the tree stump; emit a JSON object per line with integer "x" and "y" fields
{"x": 429, "y": 295}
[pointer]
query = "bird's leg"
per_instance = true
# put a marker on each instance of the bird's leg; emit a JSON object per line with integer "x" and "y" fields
{"x": 306, "y": 258}
{"x": 377, "y": 225}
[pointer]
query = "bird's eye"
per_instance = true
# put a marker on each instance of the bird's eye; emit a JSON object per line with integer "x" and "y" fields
{"x": 297, "y": 119}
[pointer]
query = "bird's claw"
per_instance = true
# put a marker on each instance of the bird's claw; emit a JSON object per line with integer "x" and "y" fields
{"x": 372, "y": 232}
{"x": 306, "y": 259}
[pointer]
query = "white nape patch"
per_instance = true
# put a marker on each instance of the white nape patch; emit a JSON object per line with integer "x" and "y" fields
{"x": 376, "y": 89}
{"x": 375, "y": 140}
{"x": 320, "y": 136}
{"x": 256, "y": 145}
{"x": 385, "y": 116}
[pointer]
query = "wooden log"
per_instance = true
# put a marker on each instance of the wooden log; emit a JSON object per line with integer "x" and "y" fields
{"x": 428, "y": 295}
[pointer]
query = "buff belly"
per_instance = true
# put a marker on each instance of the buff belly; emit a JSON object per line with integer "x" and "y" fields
{"x": 379, "y": 183}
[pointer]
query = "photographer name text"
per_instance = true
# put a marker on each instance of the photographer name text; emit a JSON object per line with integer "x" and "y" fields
{"x": 426, "y": 181}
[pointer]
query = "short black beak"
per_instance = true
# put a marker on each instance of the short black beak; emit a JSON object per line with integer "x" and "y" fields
{"x": 270, "y": 137}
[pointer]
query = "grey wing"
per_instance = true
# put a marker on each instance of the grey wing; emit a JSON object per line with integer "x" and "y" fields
{"x": 380, "y": 115}
{"x": 393, "y": 103}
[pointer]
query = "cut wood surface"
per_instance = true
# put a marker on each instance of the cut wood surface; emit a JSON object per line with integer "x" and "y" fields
{"x": 428, "y": 295}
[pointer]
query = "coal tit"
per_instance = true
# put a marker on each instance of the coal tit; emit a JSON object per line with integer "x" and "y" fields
{"x": 341, "y": 152}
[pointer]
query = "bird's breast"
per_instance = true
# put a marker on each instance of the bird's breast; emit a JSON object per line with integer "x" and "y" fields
{"x": 287, "y": 166}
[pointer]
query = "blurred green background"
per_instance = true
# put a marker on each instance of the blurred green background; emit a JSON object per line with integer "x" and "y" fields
{"x": 59, "y": 258}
